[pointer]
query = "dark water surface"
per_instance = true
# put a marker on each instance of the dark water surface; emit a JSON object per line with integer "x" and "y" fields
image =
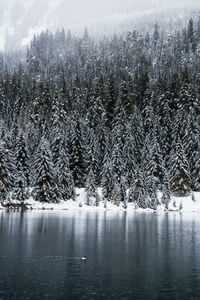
{"x": 129, "y": 255}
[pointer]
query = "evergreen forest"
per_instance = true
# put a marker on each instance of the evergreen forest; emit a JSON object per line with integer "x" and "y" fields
{"x": 121, "y": 113}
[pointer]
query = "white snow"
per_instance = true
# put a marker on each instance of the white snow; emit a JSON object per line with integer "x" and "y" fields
{"x": 190, "y": 203}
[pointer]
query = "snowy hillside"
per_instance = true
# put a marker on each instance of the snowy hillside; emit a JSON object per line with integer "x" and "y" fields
{"x": 20, "y": 19}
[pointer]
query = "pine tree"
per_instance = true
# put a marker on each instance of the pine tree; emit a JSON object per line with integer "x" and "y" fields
{"x": 111, "y": 99}
{"x": 166, "y": 193}
{"x": 152, "y": 193}
{"x": 91, "y": 189}
{"x": 180, "y": 178}
{"x": 190, "y": 34}
{"x": 123, "y": 189}
{"x": 116, "y": 194}
{"x": 65, "y": 102}
{"x": 20, "y": 192}
{"x": 22, "y": 159}
{"x": 138, "y": 135}
{"x": 93, "y": 156}
{"x": 118, "y": 138}
{"x": 64, "y": 178}
{"x": 44, "y": 186}
{"x": 196, "y": 170}
{"x": 6, "y": 176}
{"x": 126, "y": 96}
{"x": 107, "y": 174}
{"x": 139, "y": 192}
{"x": 155, "y": 166}
{"x": 190, "y": 141}
{"x": 147, "y": 112}
{"x": 130, "y": 197}
{"x": 166, "y": 133}
{"x": 129, "y": 155}
{"x": 77, "y": 154}
{"x": 156, "y": 34}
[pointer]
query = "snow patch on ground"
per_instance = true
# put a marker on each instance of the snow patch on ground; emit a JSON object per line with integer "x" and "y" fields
{"x": 187, "y": 203}
{"x": 190, "y": 203}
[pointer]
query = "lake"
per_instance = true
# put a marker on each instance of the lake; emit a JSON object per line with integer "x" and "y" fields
{"x": 129, "y": 255}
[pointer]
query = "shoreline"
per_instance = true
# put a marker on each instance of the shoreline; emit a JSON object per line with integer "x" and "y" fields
{"x": 110, "y": 208}
{"x": 189, "y": 203}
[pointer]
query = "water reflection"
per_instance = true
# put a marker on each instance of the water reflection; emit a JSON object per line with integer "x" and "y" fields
{"x": 129, "y": 255}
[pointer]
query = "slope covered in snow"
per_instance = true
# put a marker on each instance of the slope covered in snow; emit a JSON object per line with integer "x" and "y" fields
{"x": 20, "y": 19}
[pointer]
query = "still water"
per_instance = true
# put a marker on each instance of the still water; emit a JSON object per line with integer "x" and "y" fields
{"x": 129, "y": 255}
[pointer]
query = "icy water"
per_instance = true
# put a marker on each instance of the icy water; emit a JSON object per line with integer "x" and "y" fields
{"x": 129, "y": 255}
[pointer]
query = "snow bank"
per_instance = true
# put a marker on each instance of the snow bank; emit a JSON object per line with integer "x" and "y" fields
{"x": 180, "y": 204}
{"x": 188, "y": 204}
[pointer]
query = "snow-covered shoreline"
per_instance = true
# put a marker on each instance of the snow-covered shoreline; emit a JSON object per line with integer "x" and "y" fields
{"x": 190, "y": 203}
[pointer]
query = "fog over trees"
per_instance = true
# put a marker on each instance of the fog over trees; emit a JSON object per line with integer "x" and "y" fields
{"x": 20, "y": 19}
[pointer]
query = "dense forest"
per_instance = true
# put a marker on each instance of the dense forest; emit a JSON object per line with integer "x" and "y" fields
{"x": 121, "y": 114}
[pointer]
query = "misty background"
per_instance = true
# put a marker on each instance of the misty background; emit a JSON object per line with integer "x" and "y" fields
{"x": 21, "y": 19}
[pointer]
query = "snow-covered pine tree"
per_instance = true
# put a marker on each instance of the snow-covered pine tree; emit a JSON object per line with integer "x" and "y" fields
{"x": 180, "y": 180}
{"x": 43, "y": 178}
{"x": 76, "y": 94}
{"x": 155, "y": 165}
{"x": 118, "y": 168}
{"x": 93, "y": 156}
{"x": 139, "y": 195}
{"x": 101, "y": 134}
{"x": 156, "y": 35}
{"x": 138, "y": 135}
{"x": 64, "y": 178}
{"x": 130, "y": 195}
{"x": 111, "y": 99}
{"x": 35, "y": 112}
{"x": 152, "y": 193}
{"x": 191, "y": 35}
{"x": 166, "y": 133}
{"x": 91, "y": 189}
{"x": 107, "y": 174}
{"x": 191, "y": 140}
{"x": 147, "y": 112}
{"x": 118, "y": 139}
{"x": 129, "y": 155}
{"x": 123, "y": 189}
{"x": 126, "y": 95}
{"x": 196, "y": 169}
{"x": 116, "y": 194}
{"x": 98, "y": 108}
{"x": 65, "y": 101}
{"x": 166, "y": 193}
{"x": 20, "y": 192}
{"x": 57, "y": 128}
{"x": 6, "y": 173}
{"x": 22, "y": 158}
{"x": 147, "y": 165}
{"x": 77, "y": 153}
